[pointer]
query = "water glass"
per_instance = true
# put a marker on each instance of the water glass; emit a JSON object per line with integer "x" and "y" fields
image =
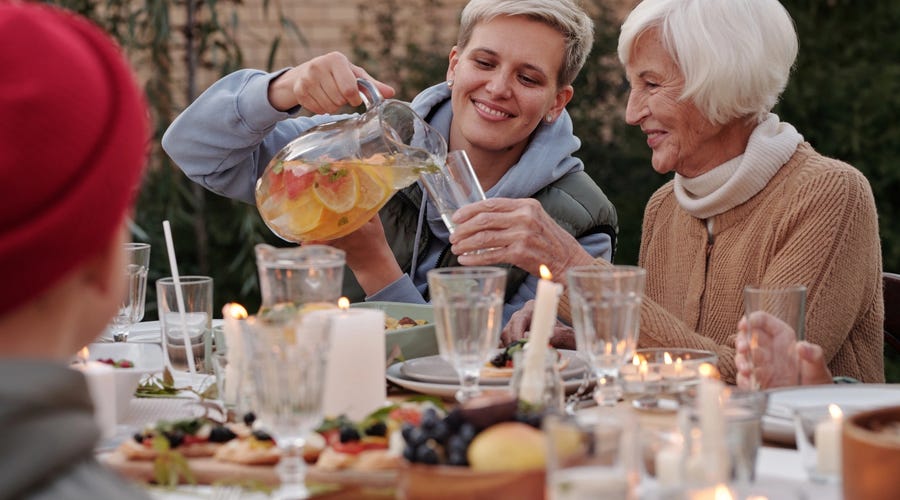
{"x": 606, "y": 310}
{"x": 131, "y": 309}
{"x": 589, "y": 456}
{"x": 774, "y": 357}
{"x": 192, "y": 326}
{"x": 468, "y": 312}
{"x": 454, "y": 186}
{"x": 287, "y": 364}
{"x": 817, "y": 432}
{"x": 742, "y": 412}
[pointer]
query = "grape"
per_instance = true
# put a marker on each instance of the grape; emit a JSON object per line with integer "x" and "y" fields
{"x": 427, "y": 455}
{"x": 349, "y": 433}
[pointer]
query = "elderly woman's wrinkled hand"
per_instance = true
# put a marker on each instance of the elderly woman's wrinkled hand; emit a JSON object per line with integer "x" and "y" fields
{"x": 563, "y": 336}
{"x": 514, "y": 231}
{"x": 778, "y": 358}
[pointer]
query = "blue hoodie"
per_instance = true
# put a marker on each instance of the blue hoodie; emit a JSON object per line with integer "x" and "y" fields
{"x": 225, "y": 139}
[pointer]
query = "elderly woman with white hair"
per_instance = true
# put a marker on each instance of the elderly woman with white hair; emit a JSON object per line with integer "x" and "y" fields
{"x": 751, "y": 202}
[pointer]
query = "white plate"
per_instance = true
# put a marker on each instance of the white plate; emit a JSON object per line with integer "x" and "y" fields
{"x": 778, "y": 422}
{"x": 434, "y": 369}
{"x": 395, "y": 376}
{"x": 145, "y": 331}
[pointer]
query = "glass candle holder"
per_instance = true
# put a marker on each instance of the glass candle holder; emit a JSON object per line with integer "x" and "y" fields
{"x": 657, "y": 377}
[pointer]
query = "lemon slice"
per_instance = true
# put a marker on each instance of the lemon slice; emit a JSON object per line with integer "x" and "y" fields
{"x": 372, "y": 191}
{"x": 337, "y": 189}
{"x": 302, "y": 214}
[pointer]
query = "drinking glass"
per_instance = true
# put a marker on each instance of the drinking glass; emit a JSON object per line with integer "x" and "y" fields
{"x": 589, "y": 456}
{"x": 287, "y": 367}
{"x": 192, "y": 327}
{"x": 606, "y": 310}
{"x": 131, "y": 309}
{"x": 454, "y": 186}
{"x": 774, "y": 357}
{"x": 468, "y": 312}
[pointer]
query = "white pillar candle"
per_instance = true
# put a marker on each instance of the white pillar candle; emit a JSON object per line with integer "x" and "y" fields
{"x": 355, "y": 376}
{"x": 101, "y": 382}
{"x": 667, "y": 464}
{"x": 543, "y": 318}
{"x": 828, "y": 442}
{"x": 233, "y": 314}
{"x": 712, "y": 425}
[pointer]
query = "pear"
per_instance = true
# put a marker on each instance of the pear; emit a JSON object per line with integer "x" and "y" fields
{"x": 508, "y": 446}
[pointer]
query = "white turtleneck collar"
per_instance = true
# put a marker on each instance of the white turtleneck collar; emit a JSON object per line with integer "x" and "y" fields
{"x": 732, "y": 183}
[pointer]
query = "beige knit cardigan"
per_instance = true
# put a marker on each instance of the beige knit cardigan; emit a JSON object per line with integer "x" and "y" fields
{"x": 814, "y": 224}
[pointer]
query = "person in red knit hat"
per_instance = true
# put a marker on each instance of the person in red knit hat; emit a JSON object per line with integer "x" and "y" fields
{"x": 74, "y": 135}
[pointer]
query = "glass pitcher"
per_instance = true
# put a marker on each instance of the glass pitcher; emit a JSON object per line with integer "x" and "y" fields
{"x": 299, "y": 276}
{"x": 335, "y": 177}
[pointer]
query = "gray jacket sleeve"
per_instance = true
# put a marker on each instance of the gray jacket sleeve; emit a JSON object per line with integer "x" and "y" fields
{"x": 224, "y": 140}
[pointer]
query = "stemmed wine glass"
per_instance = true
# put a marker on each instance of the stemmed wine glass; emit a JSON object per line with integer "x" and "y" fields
{"x": 468, "y": 312}
{"x": 287, "y": 369}
{"x": 131, "y": 309}
{"x": 606, "y": 311}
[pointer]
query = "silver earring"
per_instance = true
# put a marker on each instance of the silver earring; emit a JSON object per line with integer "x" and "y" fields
{"x": 548, "y": 118}
{"x": 449, "y": 84}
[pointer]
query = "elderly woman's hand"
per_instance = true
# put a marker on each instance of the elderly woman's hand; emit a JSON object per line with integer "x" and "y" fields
{"x": 563, "y": 336}
{"x": 778, "y": 357}
{"x": 322, "y": 85}
{"x": 514, "y": 231}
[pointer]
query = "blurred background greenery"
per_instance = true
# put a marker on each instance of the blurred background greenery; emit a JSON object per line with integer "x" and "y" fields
{"x": 844, "y": 96}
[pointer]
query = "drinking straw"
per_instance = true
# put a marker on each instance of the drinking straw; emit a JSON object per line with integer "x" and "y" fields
{"x": 179, "y": 297}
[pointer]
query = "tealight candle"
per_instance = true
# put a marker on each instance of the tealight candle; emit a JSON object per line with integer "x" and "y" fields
{"x": 354, "y": 378}
{"x": 828, "y": 442}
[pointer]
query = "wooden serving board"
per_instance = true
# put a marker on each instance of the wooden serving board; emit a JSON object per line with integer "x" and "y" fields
{"x": 210, "y": 471}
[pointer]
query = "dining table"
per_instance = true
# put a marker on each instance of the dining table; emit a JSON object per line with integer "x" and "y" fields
{"x": 778, "y": 466}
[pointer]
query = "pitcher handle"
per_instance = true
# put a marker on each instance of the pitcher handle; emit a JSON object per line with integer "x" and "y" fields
{"x": 369, "y": 93}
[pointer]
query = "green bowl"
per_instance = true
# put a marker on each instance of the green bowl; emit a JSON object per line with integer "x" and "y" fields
{"x": 414, "y": 341}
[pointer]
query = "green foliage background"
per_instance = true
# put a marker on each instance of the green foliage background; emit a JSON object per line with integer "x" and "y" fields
{"x": 844, "y": 96}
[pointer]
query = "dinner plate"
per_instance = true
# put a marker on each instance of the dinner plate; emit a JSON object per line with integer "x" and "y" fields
{"x": 145, "y": 331}
{"x": 434, "y": 369}
{"x": 394, "y": 375}
{"x": 778, "y": 422}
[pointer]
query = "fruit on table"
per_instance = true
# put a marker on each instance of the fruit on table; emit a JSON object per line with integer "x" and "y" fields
{"x": 508, "y": 446}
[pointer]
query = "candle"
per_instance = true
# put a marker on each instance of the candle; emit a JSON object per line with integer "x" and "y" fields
{"x": 828, "y": 442}
{"x": 712, "y": 424}
{"x": 667, "y": 465}
{"x": 354, "y": 377}
{"x": 542, "y": 321}
{"x": 233, "y": 314}
{"x": 101, "y": 382}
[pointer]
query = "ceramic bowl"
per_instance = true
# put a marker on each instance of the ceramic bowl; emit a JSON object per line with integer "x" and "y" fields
{"x": 147, "y": 359}
{"x": 871, "y": 454}
{"x": 414, "y": 341}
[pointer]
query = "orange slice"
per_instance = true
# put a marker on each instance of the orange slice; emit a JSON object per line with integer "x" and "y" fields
{"x": 372, "y": 191}
{"x": 336, "y": 187}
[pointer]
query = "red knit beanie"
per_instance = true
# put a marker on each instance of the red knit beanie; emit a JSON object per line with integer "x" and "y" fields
{"x": 73, "y": 141}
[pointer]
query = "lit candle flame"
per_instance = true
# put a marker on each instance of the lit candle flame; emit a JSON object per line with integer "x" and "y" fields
{"x": 643, "y": 370}
{"x": 636, "y": 360}
{"x": 678, "y": 366}
{"x": 708, "y": 371}
{"x": 723, "y": 493}
{"x": 235, "y": 310}
{"x": 84, "y": 354}
{"x": 545, "y": 273}
{"x": 343, "y": 303}
{"x": 667, "y": 358}
{"x": 835, "y": 411}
